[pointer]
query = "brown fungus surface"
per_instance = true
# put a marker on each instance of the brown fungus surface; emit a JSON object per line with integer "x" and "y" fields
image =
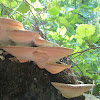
{"x": 45, "y": 57}
{"x": 7, "y": 24}
{"x": 12, "y": 30}
{"x": 72, "y": 90}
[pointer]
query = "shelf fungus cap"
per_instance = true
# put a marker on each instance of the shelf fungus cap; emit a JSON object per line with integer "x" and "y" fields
{"x": 44, "y": 43}
{"x": 53, "y": 68}
{"x": 56, "y": 68}
{"x": 46, "y": 57}
{"x": 24, "y": 37}
{"x": 72, "y": 90}
{"x": 55, "y": 53}
{"x": 20, "y": 52}
{"x": 10, "y": 23}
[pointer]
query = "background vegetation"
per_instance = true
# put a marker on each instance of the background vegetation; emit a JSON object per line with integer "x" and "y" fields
{"x": 70, "y": 23}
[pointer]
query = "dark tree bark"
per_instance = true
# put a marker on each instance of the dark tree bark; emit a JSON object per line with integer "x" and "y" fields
{"x": 28, "y": 82}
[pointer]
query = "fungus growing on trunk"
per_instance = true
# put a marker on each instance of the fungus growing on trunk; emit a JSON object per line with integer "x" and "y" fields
{"x": 53, "y": 68}
{"x": 24, "y": 37}
{"x": 8, "y": 24}
{"x": 72, "y": 90}
{"x": 14, "y": 31}
{"x": 45, "y": 57}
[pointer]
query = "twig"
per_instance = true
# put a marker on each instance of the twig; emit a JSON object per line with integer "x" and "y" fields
{"x": 34, "y": 18}
{"x": 92, "y": 89}
{"x": 39, "y": 16}
{"x": 5, "y": 9}
{"x": 84, "y": 51}
{"x": 79, "y": 69}
{"x": 78, "y": 55}
{"x": 12, "y": 10}
{"x": 15, "y": 9}
{"x": 36, "y": 25}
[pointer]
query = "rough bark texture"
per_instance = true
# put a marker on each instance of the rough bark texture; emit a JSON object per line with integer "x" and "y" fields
{"x": 28, "y": 82}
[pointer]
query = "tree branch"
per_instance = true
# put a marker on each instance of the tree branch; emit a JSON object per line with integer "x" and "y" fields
{"x": 84, "y": 51}
{"x": 12, "y": 10}
{"x": 43, "y": 35}
{"x": 4, "y": 8}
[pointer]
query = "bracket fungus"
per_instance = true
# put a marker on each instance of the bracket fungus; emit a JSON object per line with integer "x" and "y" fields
{"x": 24, "y": 37}
{"x": 53, "y": 68}
{"x": 72, "y": 90}
{"x": 7, "y": 24}
{"x": 14, "y": 31}
{"x": 45, "y": 57}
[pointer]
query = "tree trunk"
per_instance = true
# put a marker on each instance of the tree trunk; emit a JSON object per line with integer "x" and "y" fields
{"x": 28, "y": 82}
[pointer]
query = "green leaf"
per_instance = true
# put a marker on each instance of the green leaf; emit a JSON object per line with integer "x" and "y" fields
{"x": 80, "y": 41}
{"x": 54, "y": 10}
{"x": 95, "y": 77}
{"x": 72, "y": 37}
{"x": 3, "y": 1}
{"x": 87, "y": 74}
{"x": 85, "y": 6}
{"x": 38, "y": 9}
{"x": 74, "y": 19}
{"x": 96, "y": 89}
{"x": 94, "y": 67}
{"x": 63, "y": 21}
{"x": 23, "y": 8}
{"x": 53, "y": 34}
{"x": 13, "y": 3}
{"x": 98, "y": 81}
{"x": 93, "y": 39}
{"x": 49, "y": 36}
{"x": 76, "y": 10}
{"x": 97, "y": 8}
{"x": 32, "y": 1}
{"x": 61, "y": 31}
{"x": 85, "y": 30}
